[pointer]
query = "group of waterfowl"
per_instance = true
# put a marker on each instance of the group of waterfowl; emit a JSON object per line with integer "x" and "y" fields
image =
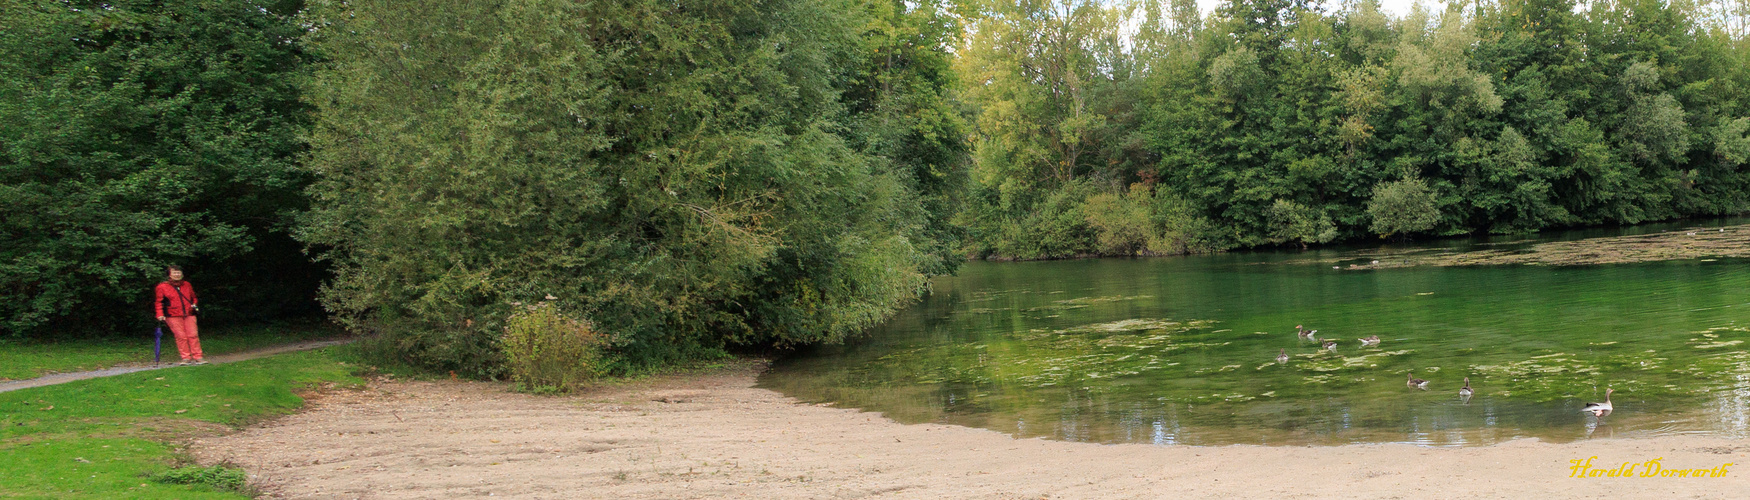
{"x": 1598, "y": 410}
{"x": 1327, "y": 344}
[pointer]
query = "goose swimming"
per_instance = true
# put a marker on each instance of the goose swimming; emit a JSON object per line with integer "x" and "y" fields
{"x": 1465, "y": 392}
{"x": 1282, "y": 357}
{"x": 1369, "y": 341}
{"x": 1415, "y": 383}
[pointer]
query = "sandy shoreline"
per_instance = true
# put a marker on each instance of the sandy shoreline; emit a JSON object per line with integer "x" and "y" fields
{"x": 714, "y": 435}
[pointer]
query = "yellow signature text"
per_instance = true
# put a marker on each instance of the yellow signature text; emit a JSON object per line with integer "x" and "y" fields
{"x": 1651, "y": 468}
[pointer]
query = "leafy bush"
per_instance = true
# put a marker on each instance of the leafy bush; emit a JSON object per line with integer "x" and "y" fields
{"x": 1292, "y": 222}
{"x": 1403, "y": 206}
{"x": 1179, "y": 229}
{"x": 1121, "y": 226}
{"x": 1055, "y": 228}
{"x": 1146, "y": 221}
{"x": 218, "y": 477}
{"x": 1082, "y": 219}
{"x": 545, "y": 349}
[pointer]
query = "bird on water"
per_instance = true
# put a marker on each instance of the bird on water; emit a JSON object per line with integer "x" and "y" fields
{"x": 1415, "y": 383}
{"x": 1369, "y": 341}
{"x": 1600, "y": 410}
{"x": 1282, "y": 357}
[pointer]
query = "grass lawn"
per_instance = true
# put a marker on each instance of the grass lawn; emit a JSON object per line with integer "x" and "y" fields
{"x": 27, "y": 359}
{"x": 115, "y": 437}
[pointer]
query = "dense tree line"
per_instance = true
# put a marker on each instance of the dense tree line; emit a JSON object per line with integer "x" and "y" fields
{"x": 1287, "y": 122}
{"x": 687, "y": 176}
{"x": 140, "y": 133}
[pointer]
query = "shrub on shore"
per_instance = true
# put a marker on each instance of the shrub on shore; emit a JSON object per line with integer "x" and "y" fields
{"x": 545, "y": 350}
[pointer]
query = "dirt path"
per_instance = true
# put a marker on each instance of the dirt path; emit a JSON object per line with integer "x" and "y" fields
{"x": 62, "y": 378}
{"x": 716, "y": 436}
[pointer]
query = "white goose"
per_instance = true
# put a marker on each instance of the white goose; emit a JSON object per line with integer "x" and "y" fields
{"x": 1600, "y": 409}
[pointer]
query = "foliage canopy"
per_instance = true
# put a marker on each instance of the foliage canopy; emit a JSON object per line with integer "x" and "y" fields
{"x": 1275, "y": 120}
{"x": 685, "y": 175}
{"x": 140, "y": 133}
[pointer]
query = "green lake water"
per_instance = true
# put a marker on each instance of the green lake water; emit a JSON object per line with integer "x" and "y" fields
{"x": 1182, "y": 350}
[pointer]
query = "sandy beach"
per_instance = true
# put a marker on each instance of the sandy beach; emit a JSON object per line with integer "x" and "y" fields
{"x": 715, "y": 435}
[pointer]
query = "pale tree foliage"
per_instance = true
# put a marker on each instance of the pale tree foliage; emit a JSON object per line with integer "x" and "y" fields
{"x": 1235, "y": 75}
{"x": 1292, "y": 222}
{"x": 1031, "y": 66}
{"x": 1165, "y": 29}
{"x": 1403, "y": 206}
{"x": 1653, "y": 128}
{"x": 1731, "y": 146}
{"x": 1144, "y": 221}
{"x": 1729, "y": 16}
{"x": 1370, "y": 31}
{"x": 1361, "y": 90}
{"x": 1436, "y": 71}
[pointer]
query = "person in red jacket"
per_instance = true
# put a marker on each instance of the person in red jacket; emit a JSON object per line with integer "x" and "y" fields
{"x": 176, "y": 304}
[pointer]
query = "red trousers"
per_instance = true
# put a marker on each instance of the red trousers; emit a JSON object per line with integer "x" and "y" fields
{"x": 188, "y": 337}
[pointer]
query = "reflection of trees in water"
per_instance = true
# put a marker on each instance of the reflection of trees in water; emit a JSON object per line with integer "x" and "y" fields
{"x": 1106, "y": 354}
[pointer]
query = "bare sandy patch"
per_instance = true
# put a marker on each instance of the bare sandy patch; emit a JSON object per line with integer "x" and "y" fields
{"x": 715, "y": 435}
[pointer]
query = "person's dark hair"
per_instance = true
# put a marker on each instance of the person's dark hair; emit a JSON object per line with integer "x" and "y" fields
{"x": 172, "y": 267}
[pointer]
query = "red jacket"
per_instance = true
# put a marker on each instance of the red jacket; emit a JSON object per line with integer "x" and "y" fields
{"x": 174, "y": 300}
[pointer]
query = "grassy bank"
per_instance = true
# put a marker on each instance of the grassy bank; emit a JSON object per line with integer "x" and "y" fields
{"x": 30, "y": 359}
{"x": 116, "y": 437}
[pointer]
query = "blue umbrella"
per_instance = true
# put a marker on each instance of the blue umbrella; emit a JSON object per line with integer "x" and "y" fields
{"x": 157, "y": 340}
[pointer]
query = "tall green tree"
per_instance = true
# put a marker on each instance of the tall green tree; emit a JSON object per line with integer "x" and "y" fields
{"x": 1053, "y": 87}
{"x": 1253, "y": 120}
{"x": 140, "y": 133}
{"x": 904, "y": 110}
{"x": 678, "y": 173}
